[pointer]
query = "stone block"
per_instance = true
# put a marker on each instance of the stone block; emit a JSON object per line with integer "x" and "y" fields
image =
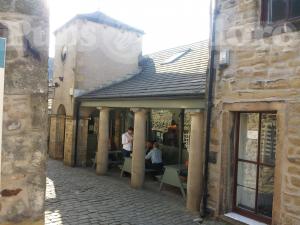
{"x": 6, "y": 5}
{"x": 296, "y": 182}
{"x": 282, "y": 55}
{"x": 31, "y": 7}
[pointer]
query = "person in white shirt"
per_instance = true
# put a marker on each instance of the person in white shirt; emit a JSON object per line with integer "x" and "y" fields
{"x": 127, "y": 141}
{"x": 155, "y": 158}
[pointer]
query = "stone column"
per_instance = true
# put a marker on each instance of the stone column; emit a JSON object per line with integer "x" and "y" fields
{"x": 69, "y": 142}
{"x": 82, "y": 141}
{"x": 60, "y": 136}
{"x": 103, "y": 141}
{"x": 139, "y": 141}
{"x": 196, "y": 155}
{"x": 52, "y": 136}
{"x": 117, "y": 138}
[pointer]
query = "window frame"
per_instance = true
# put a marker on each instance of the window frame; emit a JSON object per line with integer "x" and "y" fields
{"x": 258, "y": 163}
{"x": 265, "y": 11}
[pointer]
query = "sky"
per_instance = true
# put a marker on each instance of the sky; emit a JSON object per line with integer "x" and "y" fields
{"x": 167, "y": 23}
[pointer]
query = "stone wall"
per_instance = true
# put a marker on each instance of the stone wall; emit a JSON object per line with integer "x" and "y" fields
{"x": 264, "y": 68}
{"x": 25, "y": 122}
{"x": 97, "y": 55}
{"x": 105, "y": 54}
{"x": 64, "y": 71}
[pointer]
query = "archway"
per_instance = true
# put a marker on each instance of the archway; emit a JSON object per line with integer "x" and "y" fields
{"x": 60, "y": 132}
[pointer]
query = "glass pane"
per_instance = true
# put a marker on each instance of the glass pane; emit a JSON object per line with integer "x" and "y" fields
{"x": 265, "y": 191}
{"x": 245, "y": 198}
{"x": 248, "y": 137}
{"x": 247, "y": 175}
{"x": 246, "y": 186}
{"x": 268, "y": 138}
{"x": 277, "y": 10}
{"x": 295, "y": 8}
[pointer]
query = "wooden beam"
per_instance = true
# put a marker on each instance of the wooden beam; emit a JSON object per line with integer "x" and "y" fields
{"x": 153, "y": 104}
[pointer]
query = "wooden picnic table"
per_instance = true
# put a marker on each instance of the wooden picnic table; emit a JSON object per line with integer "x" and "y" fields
{"x": 171, "y": 177}
{"x": 126, "y": 167}
{"x": 177, "y": 167}
{"x": 117, "y": 154}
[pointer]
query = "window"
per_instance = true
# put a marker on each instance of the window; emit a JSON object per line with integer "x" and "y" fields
{"x": 274, "y": 11}
{"x": 176, "y": 56}
{"x": 255, "y": 165}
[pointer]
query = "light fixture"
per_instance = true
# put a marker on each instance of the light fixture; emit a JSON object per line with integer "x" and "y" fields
{"x": 224, "y": 59}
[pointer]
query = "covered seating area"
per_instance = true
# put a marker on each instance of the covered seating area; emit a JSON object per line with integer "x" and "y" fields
{"x": 164, "y": 103}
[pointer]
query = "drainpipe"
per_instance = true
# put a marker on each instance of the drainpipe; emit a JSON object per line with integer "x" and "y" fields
{"x": 77, "y": 108}
{"x": 212, "y": 73}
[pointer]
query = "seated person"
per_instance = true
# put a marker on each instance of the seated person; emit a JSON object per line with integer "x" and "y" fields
{"x": 149, "y": 146}
{"x": 154, "y": 158}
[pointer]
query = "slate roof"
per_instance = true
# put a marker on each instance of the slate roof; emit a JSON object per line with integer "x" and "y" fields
{"x": 99, "y": 17}
{"x": 184, "y": 77}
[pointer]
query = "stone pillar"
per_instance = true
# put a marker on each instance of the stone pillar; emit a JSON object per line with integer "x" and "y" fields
{"x": 117, "y": 138}
{"x": 103, "y": 141}
{"x": 82, "y": 141}
{"x": 139, "y": 141}
{"x": 25, "y": 118}
{"x": 52, "y": 136}
{"x": 196, "y": 155}
{"x": 69, "y": 141}
{"x": 60, "y": 136}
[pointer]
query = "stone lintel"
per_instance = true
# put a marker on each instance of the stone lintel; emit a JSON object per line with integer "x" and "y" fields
{"x": 84, "y": 118}
{"x": 103, "y": 108}
{"x": 194, "y": 111}
{"x": 135, "y": 110}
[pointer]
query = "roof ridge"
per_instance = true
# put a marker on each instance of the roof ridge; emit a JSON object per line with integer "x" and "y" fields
{"x": 95, "y": 17}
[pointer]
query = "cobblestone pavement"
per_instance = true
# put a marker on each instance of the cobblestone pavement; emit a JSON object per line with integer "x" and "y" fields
{"x": 78, "y": 196}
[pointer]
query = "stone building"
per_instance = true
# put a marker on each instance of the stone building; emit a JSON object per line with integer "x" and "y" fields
{"x": 255, "y": 122}
{"x": 24, "y": 23}
{"x": 92, "y": 50}
{"x": 170, "y": 84}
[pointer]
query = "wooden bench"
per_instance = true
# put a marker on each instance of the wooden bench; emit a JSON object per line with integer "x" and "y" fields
{"x": 171, "y": 177}
{"x": 126, "y": 167}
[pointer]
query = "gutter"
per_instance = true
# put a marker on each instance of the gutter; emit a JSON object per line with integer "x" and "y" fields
{"x": 148, "y": 97}
{"x": 212, "y": 73}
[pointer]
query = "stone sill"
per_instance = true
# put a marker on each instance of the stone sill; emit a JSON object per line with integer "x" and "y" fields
{"x": 237, "y": 219}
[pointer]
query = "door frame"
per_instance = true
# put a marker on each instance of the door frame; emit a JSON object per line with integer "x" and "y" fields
{"x": 227, "y": 143}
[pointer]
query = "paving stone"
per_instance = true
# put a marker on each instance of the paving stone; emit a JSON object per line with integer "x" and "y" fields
{"x": 78, "y": 196}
